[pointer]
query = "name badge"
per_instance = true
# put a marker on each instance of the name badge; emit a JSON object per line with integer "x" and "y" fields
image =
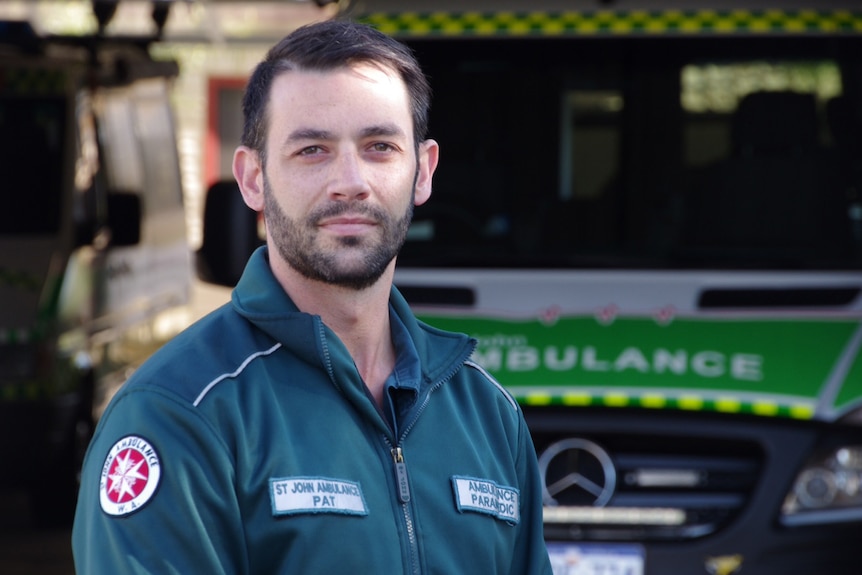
{"x": 295, "y": 495}
{"x": 485, "y": 496}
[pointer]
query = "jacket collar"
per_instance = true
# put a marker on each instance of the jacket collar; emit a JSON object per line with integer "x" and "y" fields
{"x": 260, "y": 299}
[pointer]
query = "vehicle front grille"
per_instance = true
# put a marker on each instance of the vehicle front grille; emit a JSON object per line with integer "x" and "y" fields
{"x": 622, "y": 478}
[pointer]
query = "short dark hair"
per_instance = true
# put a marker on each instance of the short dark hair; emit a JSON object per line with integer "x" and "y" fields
{"x": 326, "y": 46}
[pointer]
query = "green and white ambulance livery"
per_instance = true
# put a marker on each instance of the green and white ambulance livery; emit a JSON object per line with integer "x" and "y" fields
{"x": 650, "y": 216}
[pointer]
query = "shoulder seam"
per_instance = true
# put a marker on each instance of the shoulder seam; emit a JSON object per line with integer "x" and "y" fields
{"x": 491, "y": 378}
{"x": 235, "y": 373}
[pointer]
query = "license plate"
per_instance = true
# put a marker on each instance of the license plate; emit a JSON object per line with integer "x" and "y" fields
{"x": 596, "y": 558}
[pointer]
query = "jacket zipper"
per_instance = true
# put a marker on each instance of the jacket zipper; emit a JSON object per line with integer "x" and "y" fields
{"x": 401, "y": 475}
{"x": 401, "y": 479}
{"x": 402, "y": 482}
{"x": 403, "y": 486}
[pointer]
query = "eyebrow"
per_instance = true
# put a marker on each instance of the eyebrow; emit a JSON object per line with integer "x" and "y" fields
{"x": 309, "y": 134}
{"x": 303, "y": 134}
{"x": 382, "y": 130}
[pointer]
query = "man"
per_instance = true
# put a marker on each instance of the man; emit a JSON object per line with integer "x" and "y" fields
{"x": 313, "y": 425}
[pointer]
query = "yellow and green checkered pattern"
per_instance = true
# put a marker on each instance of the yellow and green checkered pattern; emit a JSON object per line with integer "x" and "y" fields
{"x": 618, "y": 23}
{"x": 689, "y": 402}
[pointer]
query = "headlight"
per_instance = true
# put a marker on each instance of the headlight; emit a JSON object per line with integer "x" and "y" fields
{"x": 827, "y": 490}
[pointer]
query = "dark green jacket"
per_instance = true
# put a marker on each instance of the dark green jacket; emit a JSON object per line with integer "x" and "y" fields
{"x": 250, "y": 445}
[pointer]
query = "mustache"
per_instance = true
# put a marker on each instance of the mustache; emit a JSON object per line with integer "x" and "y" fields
{"x": 355, "y": 207}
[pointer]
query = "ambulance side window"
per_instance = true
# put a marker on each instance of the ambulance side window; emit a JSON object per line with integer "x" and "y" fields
{"x": 32, "y": 138}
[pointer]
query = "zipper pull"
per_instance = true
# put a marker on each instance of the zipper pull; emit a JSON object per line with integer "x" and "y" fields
{"x": 401, "y": 475}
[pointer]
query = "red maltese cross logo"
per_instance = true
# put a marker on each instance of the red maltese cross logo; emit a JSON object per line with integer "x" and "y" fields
{"x": 129, "y": 476}
{"x": 665, "y": 315}
{"x": 607, "y": 314}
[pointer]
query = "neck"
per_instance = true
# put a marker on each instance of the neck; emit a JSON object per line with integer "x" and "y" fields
{"x": 360, "y": 318}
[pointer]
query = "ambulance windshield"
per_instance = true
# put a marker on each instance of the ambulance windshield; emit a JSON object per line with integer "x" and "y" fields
{"x": 649, "y": 153}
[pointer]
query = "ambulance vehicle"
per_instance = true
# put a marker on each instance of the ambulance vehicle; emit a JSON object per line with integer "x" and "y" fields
{"x": 649, "y": 215}
{"x": 95, "y": 270}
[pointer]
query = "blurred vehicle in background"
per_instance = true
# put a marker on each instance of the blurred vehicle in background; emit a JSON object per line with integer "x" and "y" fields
{"x": 650, "y": 218}
{"x": 95, "y": 268}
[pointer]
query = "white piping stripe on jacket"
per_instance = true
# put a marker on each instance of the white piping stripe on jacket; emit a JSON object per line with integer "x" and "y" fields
{"x": 494, "y": 381}
{"x": 238, "y": 371}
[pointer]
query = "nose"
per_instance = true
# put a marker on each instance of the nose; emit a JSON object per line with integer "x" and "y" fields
{"x": 348, "y": 180}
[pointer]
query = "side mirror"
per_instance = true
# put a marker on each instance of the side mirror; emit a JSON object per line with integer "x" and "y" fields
{"x": 124, "y": 218}
{"x": 229, "y": 235}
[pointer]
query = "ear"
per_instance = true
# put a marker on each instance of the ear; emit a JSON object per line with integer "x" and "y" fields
{"x": 249, "y": 175}
{"x": 429, "y": 154}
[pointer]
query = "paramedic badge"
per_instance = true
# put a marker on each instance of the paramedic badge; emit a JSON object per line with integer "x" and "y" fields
{"x": 129, "y": 477}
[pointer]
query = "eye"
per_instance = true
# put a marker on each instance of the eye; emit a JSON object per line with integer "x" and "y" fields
{"x": 382, "y": 147}
{"x": 310, "y": 151}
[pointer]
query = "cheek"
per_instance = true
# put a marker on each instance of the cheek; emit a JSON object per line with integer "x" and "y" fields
{"x": 398, "y": 184}
{"x": 294, "y": 189}
{"x": 281, "y": 207}
{"x": 398, "y": 197}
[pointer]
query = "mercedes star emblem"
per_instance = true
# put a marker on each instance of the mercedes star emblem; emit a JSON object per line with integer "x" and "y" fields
{"x": 576, "y": 472}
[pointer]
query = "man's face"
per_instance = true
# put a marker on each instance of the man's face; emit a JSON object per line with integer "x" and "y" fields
{"x": 298, "y": 241}
{"x": 340, "y": 175}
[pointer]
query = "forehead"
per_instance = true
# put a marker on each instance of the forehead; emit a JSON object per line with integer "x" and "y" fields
{"x": 362, "y": 91}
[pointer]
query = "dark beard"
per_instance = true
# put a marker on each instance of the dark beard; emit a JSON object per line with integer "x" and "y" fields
{"x": 295, "y": 242}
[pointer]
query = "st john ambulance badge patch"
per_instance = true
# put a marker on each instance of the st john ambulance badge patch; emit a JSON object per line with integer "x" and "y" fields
{"x": 129, "y": 477}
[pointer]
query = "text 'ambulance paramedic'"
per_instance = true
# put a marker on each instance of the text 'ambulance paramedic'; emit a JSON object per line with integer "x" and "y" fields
{"x": 313, "y": 425}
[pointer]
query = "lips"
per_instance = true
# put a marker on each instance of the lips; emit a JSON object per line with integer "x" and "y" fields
{"x": 347, "y": 224}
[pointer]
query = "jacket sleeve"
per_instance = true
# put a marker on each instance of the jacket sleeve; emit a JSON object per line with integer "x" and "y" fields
{"x": 531, "y": 556}
{"x": 177, "y": 512}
